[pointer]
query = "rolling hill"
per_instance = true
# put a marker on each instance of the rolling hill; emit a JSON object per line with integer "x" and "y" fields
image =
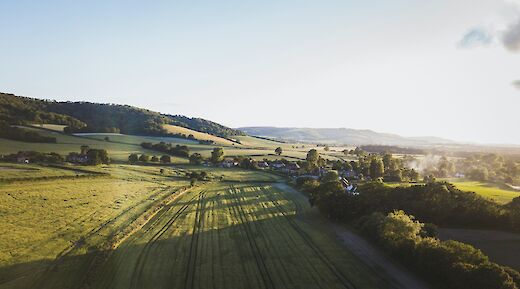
{"x": 340, "y": 136}
{"x": 100, "y": 117}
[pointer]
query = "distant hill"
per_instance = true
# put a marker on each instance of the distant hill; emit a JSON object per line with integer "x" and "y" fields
{"x": 340, "y": 136}
{"x": 100, "y": 117}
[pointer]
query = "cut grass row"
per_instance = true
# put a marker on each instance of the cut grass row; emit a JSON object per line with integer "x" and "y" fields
{"x": 46, "y": 221}
{"x": 245, "y": 236}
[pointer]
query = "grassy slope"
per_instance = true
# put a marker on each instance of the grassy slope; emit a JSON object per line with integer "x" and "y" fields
{"x": 240, "y": 229}
{"x": 233, "y": 237}
{"x": 54, "y": 127}
{"x": 117, "y": 151}
{"x": 41, "y": 220}
{"x": 119, "y": 146}
{"x": 197, "y": 135}
{"x": 487, "y": 190}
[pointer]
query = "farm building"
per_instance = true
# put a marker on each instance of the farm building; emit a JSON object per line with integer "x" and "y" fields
{"x": 263, "y": 164}
{"x": 77, "y": 158}
{"x": 229, "y": 163}
{"x": 22, "y": 160}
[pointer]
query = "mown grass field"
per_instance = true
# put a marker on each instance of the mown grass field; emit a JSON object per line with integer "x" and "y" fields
{"x": 117, "y": 150}
{"x": 198, "y": 135}
{"x": 120, "y": 146}
{"x": 134, "y": 229}
{"x": 488, "y": 190}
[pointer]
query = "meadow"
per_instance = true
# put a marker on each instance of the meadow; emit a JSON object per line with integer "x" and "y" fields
{"x": 120, "y": 146}
{"x": 495, "y": 192}
{"x": 135, "y": 227}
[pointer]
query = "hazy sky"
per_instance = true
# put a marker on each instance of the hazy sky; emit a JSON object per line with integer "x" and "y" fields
{"x": 448, "y": 68}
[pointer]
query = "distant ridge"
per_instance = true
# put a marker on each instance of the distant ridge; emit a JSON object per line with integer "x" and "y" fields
{"x": 340, "y": 136}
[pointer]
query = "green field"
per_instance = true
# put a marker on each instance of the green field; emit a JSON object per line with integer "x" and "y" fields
{"x": 488, "y": 190}
{"x": 134, "y": 228}
{"x": 120, "y": 146}
{"x": 69, "y": 143}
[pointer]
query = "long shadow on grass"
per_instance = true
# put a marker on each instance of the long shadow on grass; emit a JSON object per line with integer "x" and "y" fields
{"x": 217, "y": 242}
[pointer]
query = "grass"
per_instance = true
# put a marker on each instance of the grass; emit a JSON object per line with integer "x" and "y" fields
{"x": 10, "y": 171}
{"x": 219, "y": 235}
{"x": 120, "y": 146}
{"x": 244, "y": 236}
{"x": 198, "y": 135}
{"x": 118, "y": 151}
{"x": 487, "y": 190}
{"x": 42, "y": 220}
{"x": 54, "y": 127}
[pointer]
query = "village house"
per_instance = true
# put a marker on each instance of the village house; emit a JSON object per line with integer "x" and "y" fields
{"x": 77, "y": 158}
{"x": 277, "y": 165}
{"x": 262, "y": 164}
{"x": 228, "y": 163}
{"x": 22, "y": 160}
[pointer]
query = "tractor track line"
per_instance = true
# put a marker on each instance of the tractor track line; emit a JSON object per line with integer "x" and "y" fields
{"x": 278, "y": 227}
{"x": 232, "y": 209}
{"x": 346, "y": 283}
{"x": 141, "y": 260}
{"x": 268, "y": 281}
{"x": 189, "y": 279}
{"x": 91, "y": 233}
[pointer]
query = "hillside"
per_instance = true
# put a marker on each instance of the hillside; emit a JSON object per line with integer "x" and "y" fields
{"x": 340, "y": 136}
{"x": 99, "y": 117}
{"x": 175, "y": 129}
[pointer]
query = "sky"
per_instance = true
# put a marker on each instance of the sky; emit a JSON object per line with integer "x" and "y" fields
{"x": 447, "y": 68}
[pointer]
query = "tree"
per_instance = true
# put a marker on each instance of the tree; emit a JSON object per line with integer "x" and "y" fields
{"x": 196, "y": 159}
{"x": 414, "y": 175}
{"x": 165, "y": 159}
{"x": 144, "y": 158}
{"x": 377, "y": 168}
{"x": 313, "y": 156}
{"x": 278, "y": 151}
{"x": 429, "y": 179}
{"x": 331, "y": 176}
{"x": 97, "y": 156}
{"x": 84, "y": 149}
{"x": 155, "y": 159}
{"x": 133, "y": 158}
{"x": 398, "y": 227}
{"x": 217, "y": 155}
{"x": 387, "y": 159}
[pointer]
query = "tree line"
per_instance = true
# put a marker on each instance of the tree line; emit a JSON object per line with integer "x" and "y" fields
{"x": 445, "y": 264}
{"x": 378, "y": 211}
{"x": 16, "y": 133}
{"x": 177, "y": 150}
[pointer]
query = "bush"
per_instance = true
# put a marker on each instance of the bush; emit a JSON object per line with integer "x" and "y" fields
{"x": 446, "y": 264}
{"x": 165, "y": 159}
{"x": 144, "y": 158}
{"x": 20, "y": 134}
